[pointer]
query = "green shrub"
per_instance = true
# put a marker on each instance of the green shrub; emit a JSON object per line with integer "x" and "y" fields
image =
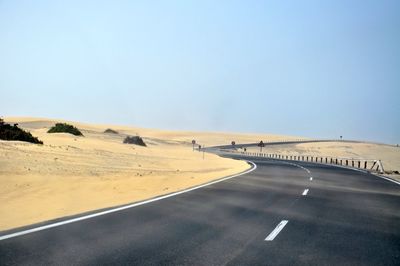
{"x": 65, "y": 128}
{"x": 111, "y": 131}
{"x": 134, "y": 140}
{"x": 9, "y": 132}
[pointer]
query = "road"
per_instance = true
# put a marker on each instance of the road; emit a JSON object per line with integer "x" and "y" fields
{"x": 310, "y": 214}
{"x": 272, "y": 143}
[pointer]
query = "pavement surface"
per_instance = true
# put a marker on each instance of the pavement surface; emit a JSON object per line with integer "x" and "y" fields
{"x": 282, "y": 213}
{"x": 271, "y": 143}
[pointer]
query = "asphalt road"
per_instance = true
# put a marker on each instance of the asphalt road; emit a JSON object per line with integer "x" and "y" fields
{"x": 271, "y": 143}
{"x": 346, "y": 218}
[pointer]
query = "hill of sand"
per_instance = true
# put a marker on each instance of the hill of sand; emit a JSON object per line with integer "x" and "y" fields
{"x": 70, "y": 175}
{"x": 388, "y": 154}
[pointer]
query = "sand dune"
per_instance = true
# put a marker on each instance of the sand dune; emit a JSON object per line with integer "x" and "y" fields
{"x": 69, "y": 175}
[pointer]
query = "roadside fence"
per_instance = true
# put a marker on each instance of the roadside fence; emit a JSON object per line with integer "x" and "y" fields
{"x": 358, "y": 163}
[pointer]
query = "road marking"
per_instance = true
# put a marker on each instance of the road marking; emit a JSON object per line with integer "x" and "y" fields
{"x": 297, "y": 165}
{"x": 388, "y": 179}
{"x": 350, "y": 168}
{"x": 44, "y": 227}
{"x": 367, "y": 172}
{"x": 276, "y": 231}
{"x": 311, "y": 178}
{"x": 305, "y": 192}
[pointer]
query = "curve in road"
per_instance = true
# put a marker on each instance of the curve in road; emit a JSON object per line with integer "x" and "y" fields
{"x": 260, "y": 218}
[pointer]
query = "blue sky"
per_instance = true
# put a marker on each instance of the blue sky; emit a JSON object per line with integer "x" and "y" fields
{"x": 308, "y": 68}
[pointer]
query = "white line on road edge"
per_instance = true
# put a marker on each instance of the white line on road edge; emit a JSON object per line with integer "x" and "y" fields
{"x": 349, "y": 168}
{"x": 44, "y": 227}
{"x": 364, "y": 171}
{"x": 305, "y": 192}
{"x": 276, "y": 231}
{"x": 387, "y": 178}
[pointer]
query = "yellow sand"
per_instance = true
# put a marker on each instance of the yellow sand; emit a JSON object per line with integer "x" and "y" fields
{"x": 389, "y": 155}
{"x": 70, "y": 175}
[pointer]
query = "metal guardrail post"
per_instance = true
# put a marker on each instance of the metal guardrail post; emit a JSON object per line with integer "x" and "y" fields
{"x": 373, "y": 165}
{"x": 360, "y": 163}
{"x": 381, "y": 167}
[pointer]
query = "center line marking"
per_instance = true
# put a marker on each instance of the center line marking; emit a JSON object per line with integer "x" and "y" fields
{"x": 276, "y": 231}
{"x": 305, "y": 192}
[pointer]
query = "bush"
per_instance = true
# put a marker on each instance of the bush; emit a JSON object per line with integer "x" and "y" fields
{"x": 135, "y": 140}
{"x": 8, "y": 132}
{"x": 65, "y": 128}
{"x": 109, "y": 130}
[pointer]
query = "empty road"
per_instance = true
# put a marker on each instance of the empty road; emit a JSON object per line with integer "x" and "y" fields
{"x": 278, "y": 214}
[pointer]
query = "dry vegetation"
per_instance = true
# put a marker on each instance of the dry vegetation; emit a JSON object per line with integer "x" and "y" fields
{"x": 70, "y": 174}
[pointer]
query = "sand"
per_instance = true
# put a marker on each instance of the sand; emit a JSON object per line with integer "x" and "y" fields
{"x": 70, "y": 175}
{"x": 388, "y": 154}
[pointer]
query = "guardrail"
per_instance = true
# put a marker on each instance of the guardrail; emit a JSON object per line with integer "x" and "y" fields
{"x": 292, "y": 141}
{"x": 358, "y": 163}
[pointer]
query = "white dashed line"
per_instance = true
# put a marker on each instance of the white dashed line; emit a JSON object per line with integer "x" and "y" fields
{"x": 277, "y": 230}
{"x": 311, "y": 178}
{"x": 305, "y": 192}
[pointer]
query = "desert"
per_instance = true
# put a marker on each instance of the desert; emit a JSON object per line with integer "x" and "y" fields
{"x": 69, "y": 174}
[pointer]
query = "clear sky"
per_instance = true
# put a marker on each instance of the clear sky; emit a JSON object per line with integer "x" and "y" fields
{"x": 308, "y": 68}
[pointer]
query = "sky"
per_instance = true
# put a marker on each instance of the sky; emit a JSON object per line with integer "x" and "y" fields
{"x": 307, "y": 68}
